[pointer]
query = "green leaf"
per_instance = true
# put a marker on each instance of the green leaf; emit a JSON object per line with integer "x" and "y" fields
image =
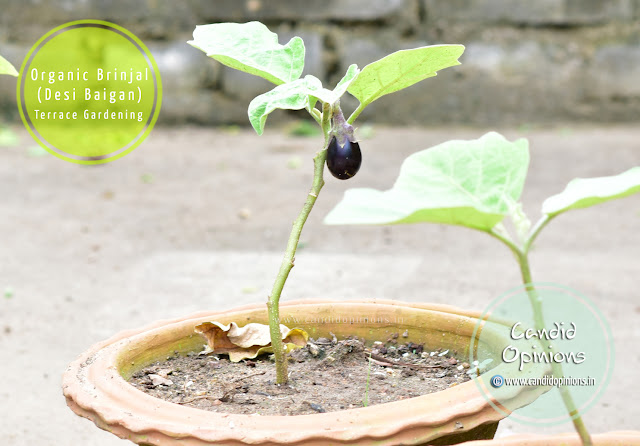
{"x": 291, "y": 96}
{"x": 331, "y": 97}
{"x": 402, "y": 69}
{"x": 469, "y": 183}
{"x": 7, "y": 68}
{"x": 350, "y": 76}
{"x": 585, "y": 192}
{"x": 252, "y": 48}
{"x": 296, "y": 95}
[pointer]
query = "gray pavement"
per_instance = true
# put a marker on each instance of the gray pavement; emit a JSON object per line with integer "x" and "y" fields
{"x": 89, "y": 251}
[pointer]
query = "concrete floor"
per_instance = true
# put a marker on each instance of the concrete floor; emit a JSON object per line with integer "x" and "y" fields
{"x": 89, "y": 251}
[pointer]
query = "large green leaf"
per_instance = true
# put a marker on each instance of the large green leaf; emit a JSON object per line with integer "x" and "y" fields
{"x": 469, "y": 183}
{"x": 252, "y": 48}
{"x": 585, "y": 192}
{"x": 403, "y": 69}
{"x": 6, "y": 67}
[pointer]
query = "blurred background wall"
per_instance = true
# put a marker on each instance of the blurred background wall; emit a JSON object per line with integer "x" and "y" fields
{"x": 527, "y": 61}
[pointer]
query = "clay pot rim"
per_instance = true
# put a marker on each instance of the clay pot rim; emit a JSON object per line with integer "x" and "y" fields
{"x": 94, "y": 389}
{"x": 442, "y": 308}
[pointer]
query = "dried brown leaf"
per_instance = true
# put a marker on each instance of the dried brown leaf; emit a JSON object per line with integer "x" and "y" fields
{"x": 246, "y": 342}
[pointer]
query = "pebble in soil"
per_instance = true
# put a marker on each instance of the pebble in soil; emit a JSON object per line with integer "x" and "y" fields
{"x": 325, "y": 376}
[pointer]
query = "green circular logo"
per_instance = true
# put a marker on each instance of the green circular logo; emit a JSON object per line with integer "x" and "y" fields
{"x": 560, "y": 357}
{"x": 89, "y": 92}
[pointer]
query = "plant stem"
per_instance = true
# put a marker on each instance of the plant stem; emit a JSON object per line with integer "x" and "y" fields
{"x": 522, "y": 255}
{"x": 273, "y": 304}
{"x": 535, "y": 231}
{"x": 507, "y": 241}
{"x": 356, "y": 113}
{"x": 538, "y": 316}
{"x": 315, "y": 114}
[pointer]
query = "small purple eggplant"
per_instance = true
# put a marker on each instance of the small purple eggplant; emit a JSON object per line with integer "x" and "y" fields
{"x": 343, "y": 161}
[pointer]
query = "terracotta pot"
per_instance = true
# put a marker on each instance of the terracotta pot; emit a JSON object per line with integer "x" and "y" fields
{"x": 622, "y": 438}
{"x": 96, "y": 388}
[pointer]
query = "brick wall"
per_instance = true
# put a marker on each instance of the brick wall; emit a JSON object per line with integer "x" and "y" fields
{"x": 526, "y": 61}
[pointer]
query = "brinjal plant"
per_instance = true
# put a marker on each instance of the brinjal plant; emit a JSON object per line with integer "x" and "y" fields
{"x": 252, "y": 48}
{"x": 477, "y": 184}
{"x": 7, "y": 68}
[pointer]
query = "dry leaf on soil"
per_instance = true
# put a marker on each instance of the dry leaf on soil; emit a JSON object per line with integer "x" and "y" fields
{"x": 246, "y": 342}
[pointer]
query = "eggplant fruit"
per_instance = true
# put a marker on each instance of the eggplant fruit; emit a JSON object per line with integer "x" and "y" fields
{"x": 343, "y": 161}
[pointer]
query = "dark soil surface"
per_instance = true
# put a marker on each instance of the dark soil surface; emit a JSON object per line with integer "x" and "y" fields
{"x": 325, "y": 376}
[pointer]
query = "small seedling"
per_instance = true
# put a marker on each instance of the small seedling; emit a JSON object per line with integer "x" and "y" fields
{"x": 303, "y": 128}
{"x": 146, "y": 178}
{"x": 477, "y": 184}
{"x": 252, "y": 48}
{"x": 8, "y": 137}
{"x": 365, "y": 400}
